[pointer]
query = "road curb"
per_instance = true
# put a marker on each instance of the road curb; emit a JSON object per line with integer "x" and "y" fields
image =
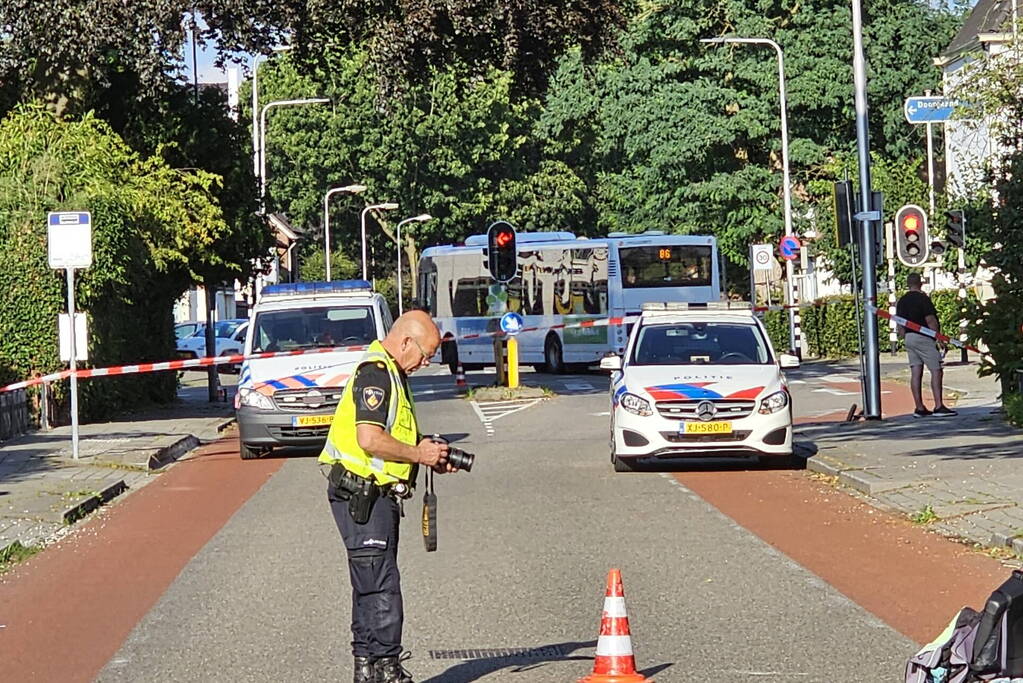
{"x": 90, "y": 504}
{"x": 168, "y": 454}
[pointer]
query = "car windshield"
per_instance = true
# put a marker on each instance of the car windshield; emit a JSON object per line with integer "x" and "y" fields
{"x": 314, "y": 327}
{"x": 225, "y": 328}
{"x": 700, "y": 343}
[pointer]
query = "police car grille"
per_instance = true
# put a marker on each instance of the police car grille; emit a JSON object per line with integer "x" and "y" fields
{"x": 727, "y": 409}
{"x": 295, "y": 400}
{"x": 674, "y": 437}
{"x": 284, "y": 433}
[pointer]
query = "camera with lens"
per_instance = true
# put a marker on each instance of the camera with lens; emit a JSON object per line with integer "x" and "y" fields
{"x": 457, "y": 458}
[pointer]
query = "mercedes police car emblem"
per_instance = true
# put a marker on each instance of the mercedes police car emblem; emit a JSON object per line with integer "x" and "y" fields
{"x": 313, "y": 399}
{"x": 705, "y": 410}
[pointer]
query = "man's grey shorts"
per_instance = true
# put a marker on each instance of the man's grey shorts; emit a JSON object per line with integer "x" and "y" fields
{"x": 922, "y": 351}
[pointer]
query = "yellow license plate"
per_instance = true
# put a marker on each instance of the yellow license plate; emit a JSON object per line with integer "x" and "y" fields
{"x": 707, "y": 428}
{"x": 311, "y": 420}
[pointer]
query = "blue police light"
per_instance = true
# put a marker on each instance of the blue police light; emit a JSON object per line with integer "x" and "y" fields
{"x": 317, "y": 288}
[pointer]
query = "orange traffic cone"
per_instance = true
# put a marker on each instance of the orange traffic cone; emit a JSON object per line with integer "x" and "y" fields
{"x": 614, "y": 662}
{"x": 460, "y": 378}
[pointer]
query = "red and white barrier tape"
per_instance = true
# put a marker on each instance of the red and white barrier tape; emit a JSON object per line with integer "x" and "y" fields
{"x": 238, "y": 358}
{"x": 910, "y": 325}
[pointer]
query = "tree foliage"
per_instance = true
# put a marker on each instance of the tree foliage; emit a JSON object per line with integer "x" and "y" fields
{"x": 680, "y": 136}
{"x": 154, "y": 227}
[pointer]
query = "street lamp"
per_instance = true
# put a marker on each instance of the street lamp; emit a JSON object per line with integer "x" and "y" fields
{"x": 786, "y": 184}
{"x": 386, "y": 206}
{"x": 347, "y": 189}
{"x": 262, "y": 139}
{"x": 256, "y": 61}
{"x": 421, "y": 218}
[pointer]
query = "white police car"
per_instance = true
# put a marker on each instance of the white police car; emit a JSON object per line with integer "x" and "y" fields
{"x": 698, "y": 380}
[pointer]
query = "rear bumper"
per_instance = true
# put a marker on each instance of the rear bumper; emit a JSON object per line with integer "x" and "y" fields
{"x": 273, "y": 428}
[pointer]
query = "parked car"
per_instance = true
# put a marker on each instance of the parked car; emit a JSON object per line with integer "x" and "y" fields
{"x": 187, "y": 329}
{"x": 699, "y": 381}
{"x": 229, "y": 338}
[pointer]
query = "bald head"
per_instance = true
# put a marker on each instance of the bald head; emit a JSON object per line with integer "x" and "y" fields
{"x": 413, "y": 339}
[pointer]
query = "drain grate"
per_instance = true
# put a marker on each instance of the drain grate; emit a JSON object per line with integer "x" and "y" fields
{"x": 546, "y": 652}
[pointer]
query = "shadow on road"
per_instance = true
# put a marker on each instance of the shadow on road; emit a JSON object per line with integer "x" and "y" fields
{"x": 721, "y": 464}
{"x": 523, "y": 663}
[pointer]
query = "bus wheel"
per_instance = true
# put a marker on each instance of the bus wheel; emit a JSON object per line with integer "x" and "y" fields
{"x": 552, "y": 355}
{"x": 449, "y": 355}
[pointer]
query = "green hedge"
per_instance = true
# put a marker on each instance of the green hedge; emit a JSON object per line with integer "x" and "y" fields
{"x": 829, "y": 326}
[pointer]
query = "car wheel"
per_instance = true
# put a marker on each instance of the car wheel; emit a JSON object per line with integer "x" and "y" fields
{"x": 250, "y": 453}
{"x": 553, "y": 356}
{"x": 622, "y": 465}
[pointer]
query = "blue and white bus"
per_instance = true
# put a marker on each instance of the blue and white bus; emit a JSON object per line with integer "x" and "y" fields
{"x": 561, "y": 279}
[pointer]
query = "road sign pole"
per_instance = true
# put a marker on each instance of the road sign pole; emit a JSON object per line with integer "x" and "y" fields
{"x": 74, "y": 354}
{"x": 752, "y": 278}
{"x": 872, "y": 361}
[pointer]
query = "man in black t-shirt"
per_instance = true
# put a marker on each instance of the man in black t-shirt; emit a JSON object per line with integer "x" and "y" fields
{"x": 917, "y": 307}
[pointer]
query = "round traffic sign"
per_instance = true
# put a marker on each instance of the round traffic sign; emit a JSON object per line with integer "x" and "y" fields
{"x": 789, "y": 247}
{"x": 763, "y": 257}
{"x": 512, "y": 323}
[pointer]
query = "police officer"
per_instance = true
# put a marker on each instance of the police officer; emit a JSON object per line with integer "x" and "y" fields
{"x": 375, "y": 449}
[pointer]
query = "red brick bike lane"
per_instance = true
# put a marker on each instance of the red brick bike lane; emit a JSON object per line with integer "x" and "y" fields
{"x": 67, "y": 610}
{"x": 913, "y": 580}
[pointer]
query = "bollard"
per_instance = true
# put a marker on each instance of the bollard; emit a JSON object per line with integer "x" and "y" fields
{"x": 513, "y": 363}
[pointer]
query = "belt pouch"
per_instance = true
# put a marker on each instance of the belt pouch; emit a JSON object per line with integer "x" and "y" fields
{"x": 360, "y": 506}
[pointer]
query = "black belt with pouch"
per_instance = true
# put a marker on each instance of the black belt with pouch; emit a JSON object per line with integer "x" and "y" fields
{"x": 362, "y": 492}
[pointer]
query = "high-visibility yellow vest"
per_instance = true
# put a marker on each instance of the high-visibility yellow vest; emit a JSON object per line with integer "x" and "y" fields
{"x": 342, "y": 445}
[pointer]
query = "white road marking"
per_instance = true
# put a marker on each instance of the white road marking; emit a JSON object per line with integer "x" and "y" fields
{"x": 490, "y": 411}
{"x": 572, "y": 385}
{"x": 836, "y": 392}
{"x": 606, "y": 413}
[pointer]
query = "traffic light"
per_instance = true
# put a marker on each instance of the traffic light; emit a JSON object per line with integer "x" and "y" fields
{"x": 502, "y": 256}
{"x": 911, "y": 240}
{"x": 843, "y": 203}
{"x": 955, "y": 228}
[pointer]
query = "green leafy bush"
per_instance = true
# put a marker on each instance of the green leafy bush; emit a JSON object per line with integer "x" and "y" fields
{"x": 154, "y": 230}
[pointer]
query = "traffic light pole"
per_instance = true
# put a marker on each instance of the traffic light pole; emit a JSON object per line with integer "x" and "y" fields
{"x": 868, "y": 223}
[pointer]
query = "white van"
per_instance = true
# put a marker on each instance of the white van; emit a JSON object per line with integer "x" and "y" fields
{"x": 290, "y": 400}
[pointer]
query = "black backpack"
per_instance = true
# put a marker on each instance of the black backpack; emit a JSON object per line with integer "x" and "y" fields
{"x": 998, "y": 646}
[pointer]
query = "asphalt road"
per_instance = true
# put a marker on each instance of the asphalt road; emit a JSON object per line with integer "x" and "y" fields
{"x": 526, "y": 541}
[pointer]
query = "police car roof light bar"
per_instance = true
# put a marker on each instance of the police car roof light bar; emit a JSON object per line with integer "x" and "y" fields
{"x": 304, "y": 289}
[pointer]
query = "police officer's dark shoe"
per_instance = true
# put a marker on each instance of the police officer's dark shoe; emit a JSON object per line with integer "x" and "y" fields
{"x": 365, "y": 670}
{"x": 390, "y": 670}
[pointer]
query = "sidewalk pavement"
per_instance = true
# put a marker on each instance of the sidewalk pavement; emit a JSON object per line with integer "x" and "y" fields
{"x": 960, "y": 476}
{"x": 43, "y": 490}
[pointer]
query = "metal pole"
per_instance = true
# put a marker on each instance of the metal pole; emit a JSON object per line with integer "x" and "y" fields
{"x": 362, "y": 220}
{"x": 872, "y": 369}
{"x": 262, "y": 159}
{"x": 255, "y": 115}
{"x": 963, "y": 356}
{"x": 790, "y": 274}
{"x": 326, "y": 235}
{"x": 74, "y": 354}
{"x": 401, "y": 307}
{"x": 859, "y": 325}
{"x": 212, "y": 378}
{"x": 752, "y": 279}
{"x": 930, "y": 163}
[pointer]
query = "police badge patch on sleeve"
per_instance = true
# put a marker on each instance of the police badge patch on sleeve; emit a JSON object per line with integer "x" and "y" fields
{"x": 372, "y": 397}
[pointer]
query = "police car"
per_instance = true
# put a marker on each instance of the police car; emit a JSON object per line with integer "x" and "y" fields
{"x": 699, "y": 380}
{"x": 290, "y": 400}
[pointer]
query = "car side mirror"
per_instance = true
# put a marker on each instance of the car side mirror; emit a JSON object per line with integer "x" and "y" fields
{"x": 611, "y": 363}
{"x": 787, "y": 360}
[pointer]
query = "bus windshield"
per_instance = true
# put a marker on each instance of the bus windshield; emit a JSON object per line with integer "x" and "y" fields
{"x": 666, "y": 266}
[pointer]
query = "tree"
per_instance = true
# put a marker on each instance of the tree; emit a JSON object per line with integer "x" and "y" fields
{"x": 995, "y": 219}
{"x": 678, "y": 136}
{"x": 454, "y": 147}
{"x": 156, "y": 229}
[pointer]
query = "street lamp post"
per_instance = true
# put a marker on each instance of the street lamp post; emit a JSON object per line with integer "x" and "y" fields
{"x": 256, "y": 61}
{"x": 787, "y": 185}
{"x": 262, "y": 139}
{"x": 421, "y": 218}
{"x": 386, "y": 206}
{"x": 347, "y": 189}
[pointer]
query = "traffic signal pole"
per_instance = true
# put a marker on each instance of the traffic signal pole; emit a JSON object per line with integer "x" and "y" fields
{"x": 868, "y": 225}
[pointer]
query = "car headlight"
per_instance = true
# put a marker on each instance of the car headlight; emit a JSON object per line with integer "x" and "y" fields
{"x": 636, "y": 405}
{"x": 779, "y": 400}
{"x": 254, "y": 399}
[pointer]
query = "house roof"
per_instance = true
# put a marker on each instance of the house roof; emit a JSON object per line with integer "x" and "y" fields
{"x": 283, "y": 228}
{"x": 986, "y": 18}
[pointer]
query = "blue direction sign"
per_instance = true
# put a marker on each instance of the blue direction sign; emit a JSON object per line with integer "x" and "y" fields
{"x": 512, "y": 323}
{"x": 930, "y": 109}
{"x": 789, "y": 247}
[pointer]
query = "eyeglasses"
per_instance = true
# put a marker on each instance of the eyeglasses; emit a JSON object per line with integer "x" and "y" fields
{"x": 426, "y": 358}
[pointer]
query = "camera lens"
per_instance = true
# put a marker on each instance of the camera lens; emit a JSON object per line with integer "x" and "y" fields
{"x": 460, "y": 459}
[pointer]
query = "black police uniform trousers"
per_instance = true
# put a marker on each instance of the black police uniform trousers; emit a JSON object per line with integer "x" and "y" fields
{"x": 377, "y": 609}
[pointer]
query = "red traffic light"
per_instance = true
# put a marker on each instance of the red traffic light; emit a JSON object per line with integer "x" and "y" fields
{"x": 504, "y": 237}
{"x": 911, "y": 237}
